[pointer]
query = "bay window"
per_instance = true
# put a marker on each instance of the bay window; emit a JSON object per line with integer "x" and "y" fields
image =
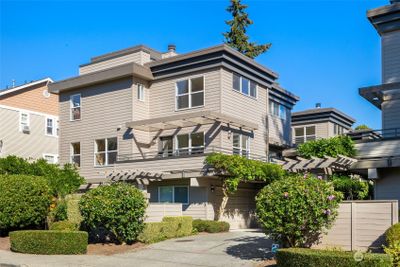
{"x": 173, "y": 194}
{"x": 106, "y": 151}
{"x": 190, "y": 93}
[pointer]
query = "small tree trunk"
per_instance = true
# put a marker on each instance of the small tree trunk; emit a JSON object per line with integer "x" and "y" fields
{"x": 223, "y": 202}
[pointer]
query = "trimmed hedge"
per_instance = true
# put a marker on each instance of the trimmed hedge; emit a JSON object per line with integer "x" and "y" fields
{"x": 170, "y": 227}
{"x": 64, "y": 226}
{"x": 210, "y": 226}
{"x": 305, "y": 257}
{"x": 393, "y": 234}
{"x": 49, "y": 242}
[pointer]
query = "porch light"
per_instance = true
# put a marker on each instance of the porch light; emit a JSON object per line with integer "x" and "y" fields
{"x": 212, "y": 188}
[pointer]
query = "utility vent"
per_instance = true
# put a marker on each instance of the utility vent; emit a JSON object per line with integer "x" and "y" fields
{"x": 26, "y": 129}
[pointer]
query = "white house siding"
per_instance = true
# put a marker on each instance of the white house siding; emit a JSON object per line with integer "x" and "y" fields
{"x": 391, "y": 57}
{"x": 32, "y": 145}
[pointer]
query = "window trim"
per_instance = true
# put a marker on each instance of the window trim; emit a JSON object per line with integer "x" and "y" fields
{"x": 305, "y": 133}
{"x": 71, "y": 107}
{"x": 55, "y": 126}
{"x": 140, "y": 95}
{"x": 190, "y": 92}
{"x": 51, "y": 155}
{"x": 28, "y": 119}
{"x": 240, "y": 86}
{"x": 247, "y": 150}
{"x": 173, "y": 193}
{"x": 71, "y": 153}
{"x": 190, "y": 147}
{"x": 271, "y": 112}
{"x": 106, "y": 151}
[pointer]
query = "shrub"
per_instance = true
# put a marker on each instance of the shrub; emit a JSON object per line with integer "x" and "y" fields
{"x": 118, "y": 208}
{"x": 352, "y": 188}
{"x": 73, "y": 212}
{"x": 152, "y": 233}
{"x": 393, "y": 244}
{"x": 64, "y": 226}
{"x": 303, "y": 257}
{"x": 394, "y": 252}
{"x": 332, "y": 147}
{"x": 49, "y": 242}
{"x": 294, "y": 211}
{"x": 362, "y": 127}
{"x": 59, "y": 213}
{"x": 393, "y": 234}
{"x": 210, "y": 226}
{"x": 24, "y": 201}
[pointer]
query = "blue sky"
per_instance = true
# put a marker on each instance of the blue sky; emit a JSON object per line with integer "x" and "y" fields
{"x": 323, "y": 50}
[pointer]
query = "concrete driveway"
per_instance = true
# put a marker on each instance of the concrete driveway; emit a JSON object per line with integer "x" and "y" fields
{"x": 242, "y": 248}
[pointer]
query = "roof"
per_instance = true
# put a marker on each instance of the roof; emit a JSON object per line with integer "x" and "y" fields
{"x": 27, "y": 85}
{"x": 320, "y": 115}
{"x": 386, "y": 18}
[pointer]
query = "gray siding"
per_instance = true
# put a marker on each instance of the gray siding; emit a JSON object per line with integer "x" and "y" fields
{"x": 391, "y": 113}
{"x": 378, "y": 149}
{"x": 391, "y": 57}
{"x": 388, "y": 184}
{"x": 32, "y": 145}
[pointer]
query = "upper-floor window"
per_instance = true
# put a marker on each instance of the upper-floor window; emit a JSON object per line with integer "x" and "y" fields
{"x": 75, "y": 107}
{"x": 277, "y": 109}
{"x": 241, "y": 144}
{"x": 105, "y": 152}
{"x": 51, "y": 126}
{"x": 51, "y": 158}
{"x": 24, "y": 122}
{"x": 304, "y": 134}
{"x": 337, "y": 129}
{"x": 188, "y": 144}
{"x": 244, "y": 85}
{"x": 76, "y": 154}
{"x": 140, "y": 92}
{"x": 190, "y": 93}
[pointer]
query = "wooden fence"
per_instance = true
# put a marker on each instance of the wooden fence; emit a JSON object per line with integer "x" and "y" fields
{"x": 361, "y": 225}
{"x": 156, "y": 211}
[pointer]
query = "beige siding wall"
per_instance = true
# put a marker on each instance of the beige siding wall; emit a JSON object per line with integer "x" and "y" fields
{"x": 155, "y": 212}
{"x": 32, "y": 145}
{"x": 391, "y": 111}
{"x": 391, "y": 57}
{"x": 322, "y": 129}
{"x": 138, "y": 57}
{"x": 378, "y": 149}
{"x": 388, "y": 184}
{"x": 361, "y": 225}
{"x": 279, "y": 130}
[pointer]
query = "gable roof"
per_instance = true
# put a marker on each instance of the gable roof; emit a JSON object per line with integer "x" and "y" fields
{"x": 24, "y": 86}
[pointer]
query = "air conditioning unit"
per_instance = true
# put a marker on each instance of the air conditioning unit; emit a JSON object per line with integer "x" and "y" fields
{"x": 26, "y": 129}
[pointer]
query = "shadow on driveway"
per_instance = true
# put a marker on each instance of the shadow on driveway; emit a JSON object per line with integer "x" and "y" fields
{"x": 255, "y": 248}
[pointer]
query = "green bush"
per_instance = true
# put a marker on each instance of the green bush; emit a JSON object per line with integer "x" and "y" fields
{"x": 49, "y": 242}
{"x": 24, "y": 202}
{"x": 393, "y": 244}
{"x": 210, "y": 226}
{"x": 181, "y": 226}
{"x": 352, "y": 188}
{"x": 118, "y": 208}
{"x": 152, "y": 233}
{"x": 393, "y": 234}
{"x": 73, "y": 212}
{"x": 296, "y": 210}
{"x": 64, "y": 226}
{"x": 332, "y": 147}
{"x": 303, "y": 257}
{"x": 59, "y": 213}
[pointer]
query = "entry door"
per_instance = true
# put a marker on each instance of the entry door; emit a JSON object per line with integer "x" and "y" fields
{"x": 167, "y": 146}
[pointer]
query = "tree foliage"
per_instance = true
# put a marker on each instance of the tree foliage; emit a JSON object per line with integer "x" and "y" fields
{"x": 351, "y": 188}
{"x": 362, "y": 127}
{"x": 332, "y": 147}
{"x": 236, "y": 37}
{"x": 295, "y": 211}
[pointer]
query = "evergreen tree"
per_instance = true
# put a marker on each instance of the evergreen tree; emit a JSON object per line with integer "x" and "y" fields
{"x": 237, "y": 37}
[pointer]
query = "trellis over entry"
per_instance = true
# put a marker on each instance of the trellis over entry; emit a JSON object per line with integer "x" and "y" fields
{"x": 326, "y": 165}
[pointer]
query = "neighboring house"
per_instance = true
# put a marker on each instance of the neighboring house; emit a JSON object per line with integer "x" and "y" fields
{"x": 317, "y": 123}
{"x": 150, "y": 117}
{"x": 29, "y": 119}
{"x": 379, "y": 150}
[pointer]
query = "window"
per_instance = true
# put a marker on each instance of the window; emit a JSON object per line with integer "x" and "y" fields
{"x": 304, "y": 134}
{"x": 76, "y": 154}
{"x": 244, "y": 85}
{"x": 188, "y": 144}
{"x": 277, "y": 109}
{"x": 173, "y": 194}
{"x": 241, "y": 144}
{"x": 140, "y": 92}
{"x": 51, "y": 126}
{"x": 106, "y": 151}
{"x": 338, "y": 130}
{"x": 51, "y": 158}
{"x": 24, "y": 122}
{"x": 75, "y": 107}
{"x": 190, "y": 93}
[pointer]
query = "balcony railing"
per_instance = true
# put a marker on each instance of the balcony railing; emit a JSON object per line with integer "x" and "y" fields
{"x": 184, "y": 152}
{"x": 375, "y": 135}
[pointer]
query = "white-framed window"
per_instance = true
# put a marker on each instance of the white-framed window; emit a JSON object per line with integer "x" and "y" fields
{"x": 75, "y": 107}
{"x": 188, "y": 144}
{"x": 173, "y": 194}
{"x": 304, "y": 134}
{"x": 337, "y": 129}
{"x": 244, "y": 85}
{"x": 24, "y": 121}
{"x": 105, "y": 151}
{"x": 140, "y": 92}
{"x": 51, "y": 158}
{"x": 241, "y": 144}
{"x": 190, "y": 93}
{"x": 51, "y": 127}
{"x": 278, "y": 110}
{"x": 75, "y": 154}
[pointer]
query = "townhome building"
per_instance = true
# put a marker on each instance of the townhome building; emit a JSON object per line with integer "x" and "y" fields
{"x": 379, "y": 150}
{"x": 318, "y": 123}
{"x": 151, "y": 118}
{"x": 29, "y": 121}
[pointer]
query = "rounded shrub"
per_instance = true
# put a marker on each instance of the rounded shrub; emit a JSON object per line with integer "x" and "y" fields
{"x": 49, "y": 242}
{"x": 210, "y": 226}
{"x": 64, "y": 226}
{"x": 295, "y": 210}
{"x": 24, "y": 201}
{"x": 119, "y": 209}
{"x": 393, "y": 234}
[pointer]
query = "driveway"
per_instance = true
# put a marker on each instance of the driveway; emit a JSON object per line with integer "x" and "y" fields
{"x": 242, "y": 248}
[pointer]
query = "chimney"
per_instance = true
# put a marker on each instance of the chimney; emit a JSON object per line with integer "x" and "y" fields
{"x": 171, "y": 48}
{"x": 318, "y": 105}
